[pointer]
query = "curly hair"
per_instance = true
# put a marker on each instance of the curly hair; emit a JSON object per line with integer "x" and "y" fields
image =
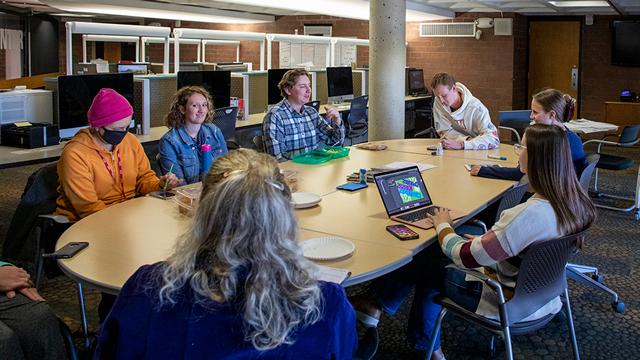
{"x": 289, "y": 80}
{"x": 175, "y": 117}
{"x": 242, "y": 249}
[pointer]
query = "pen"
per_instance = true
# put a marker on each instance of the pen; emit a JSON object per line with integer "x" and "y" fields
{"x": 497, "y": 157}
{"x": 166, "y": 181}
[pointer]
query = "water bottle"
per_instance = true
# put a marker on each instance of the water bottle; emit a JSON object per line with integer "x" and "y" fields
{"x": 206, "y": 159}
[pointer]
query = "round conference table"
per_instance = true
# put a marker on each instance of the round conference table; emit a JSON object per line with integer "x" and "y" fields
{"x": 144, "y": 230}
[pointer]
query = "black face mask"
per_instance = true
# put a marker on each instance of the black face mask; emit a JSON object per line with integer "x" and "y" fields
{"x": 113, "y": 137}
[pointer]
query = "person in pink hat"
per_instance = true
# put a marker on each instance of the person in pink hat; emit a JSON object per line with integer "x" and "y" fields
{"x": 104, "y": 164}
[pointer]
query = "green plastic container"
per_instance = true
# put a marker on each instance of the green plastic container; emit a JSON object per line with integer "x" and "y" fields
{"x": 321, "y": 155}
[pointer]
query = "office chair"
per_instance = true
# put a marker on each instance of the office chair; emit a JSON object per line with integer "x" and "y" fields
{"x": 541, "y": 278}
{"x": 225, "y": 118}
{"x": 628, "y": 137}
{"x": 356, "y": 125}
{"x": 579, "y": 272}
{"x": 34, "y": 230}
{"x": 314, "y": 104}
{"x": 515, "y": 121}
{"x": 67, "y": 338}
{"x": 509, "y": 199}
{"x": 258, "y": 141}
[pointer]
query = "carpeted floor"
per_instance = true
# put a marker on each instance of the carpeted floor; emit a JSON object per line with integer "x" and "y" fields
{"x": 612, "y": 246}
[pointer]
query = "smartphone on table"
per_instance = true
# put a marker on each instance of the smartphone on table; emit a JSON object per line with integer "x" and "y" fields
{"x": 402, "y": 232}
{"x": 68, "y": 251}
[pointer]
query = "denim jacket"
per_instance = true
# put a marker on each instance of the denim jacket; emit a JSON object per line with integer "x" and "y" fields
{"x": 177, "y": 148}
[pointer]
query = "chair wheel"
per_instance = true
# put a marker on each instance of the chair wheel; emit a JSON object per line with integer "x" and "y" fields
{"x": 597, "y": 277}
{"x": 618, "y": 306}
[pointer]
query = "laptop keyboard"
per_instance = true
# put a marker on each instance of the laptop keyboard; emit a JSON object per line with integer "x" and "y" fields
{"x": 419, "y": 214}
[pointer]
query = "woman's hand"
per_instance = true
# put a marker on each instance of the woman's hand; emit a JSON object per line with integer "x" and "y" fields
{"x": 440, "y": 215}
{"x": 169, "y": 181}
{"x": 475, "y": 169}
{"x": 12, "y": 277}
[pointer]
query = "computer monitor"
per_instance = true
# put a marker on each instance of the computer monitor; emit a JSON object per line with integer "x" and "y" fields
{"x": 217, "y": 83}
{"x": 415, "y": 78}
{"x": 273, "y": 78}
{"x": 76, "y": 92}
{"x": 140, "y": 69}
{"x": 339, "y": 83}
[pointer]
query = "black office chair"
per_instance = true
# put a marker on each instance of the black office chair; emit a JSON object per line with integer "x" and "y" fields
{"x": 515, "y": 121}
{"x": 225, "y": 118}
{"x": 258, "y": 141}
{"x": 579, "y": 272}
{"x": 357, "y": 124}
{"x": 628, "y": 137}
{"x": 314, "y": 104}
{"x": 510, "y": 198}
{"x": 541, "y": 279}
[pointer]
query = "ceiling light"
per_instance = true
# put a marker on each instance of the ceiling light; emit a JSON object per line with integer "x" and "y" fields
{"x": 72, "y": 15}
{"x": 588, "y": 3}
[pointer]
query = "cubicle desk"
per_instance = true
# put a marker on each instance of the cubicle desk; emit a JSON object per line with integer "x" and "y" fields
{"x": 622, "y": 113}
{"x": 13, "y": 157}
{"x": 148, "y": 227}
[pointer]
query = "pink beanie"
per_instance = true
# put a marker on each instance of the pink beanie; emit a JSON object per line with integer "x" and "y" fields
{"x": 108, "y": 107}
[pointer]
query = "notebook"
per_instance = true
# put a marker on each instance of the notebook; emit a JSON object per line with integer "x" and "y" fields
{"x": 405, "y": 197}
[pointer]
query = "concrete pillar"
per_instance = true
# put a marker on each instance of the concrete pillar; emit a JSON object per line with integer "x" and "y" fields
{"x": 387, "y": 59}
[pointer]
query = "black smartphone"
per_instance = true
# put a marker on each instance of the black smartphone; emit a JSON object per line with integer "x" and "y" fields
{"x": 402, "y": 232}
{"x": 68, "y": 251}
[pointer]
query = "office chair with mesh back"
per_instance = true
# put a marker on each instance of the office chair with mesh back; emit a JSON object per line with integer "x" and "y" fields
{"x": 357, "y": 124}
{"x": 510, "y": 198}
{"x": 579, "y": 272}
{"x": 628, "y": 137}
{"x": 541, "y": 278}
{"x": 515, "y": 121}
{"x": 225, "y": 118}
{"x": 314, "y": 104}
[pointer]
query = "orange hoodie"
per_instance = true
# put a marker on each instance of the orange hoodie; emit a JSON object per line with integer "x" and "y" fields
{"x": 85, "y": 184}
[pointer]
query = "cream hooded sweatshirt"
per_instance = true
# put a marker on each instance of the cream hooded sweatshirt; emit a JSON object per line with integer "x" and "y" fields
{"x": 470, "y": 123}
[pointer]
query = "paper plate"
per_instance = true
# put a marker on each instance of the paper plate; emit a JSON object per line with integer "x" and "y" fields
{"x": 327, "y": 248}
{"x": 301, "y": 200}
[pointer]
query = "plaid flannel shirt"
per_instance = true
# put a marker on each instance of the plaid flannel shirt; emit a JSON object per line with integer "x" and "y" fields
{"x": 288, "y": 133}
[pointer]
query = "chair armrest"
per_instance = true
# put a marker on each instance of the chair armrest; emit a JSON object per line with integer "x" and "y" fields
{"x": 479, "y": 223}
{"x": 512, "y": 130}
{"x": 427, "y": 131}
{"x": 602, "y": 142}
{"x": 494, "y": 285}
{"x": 60, "y": 219}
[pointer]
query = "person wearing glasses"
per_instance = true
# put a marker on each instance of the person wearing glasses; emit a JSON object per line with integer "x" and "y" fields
{"x": 291, "y": 128}
{"x": 559, "y": 207}
{"x": 236, "y": 285}
{"x": 105, "y": 165}
{"x": 549, "y": 107}
{"x": 460, "y": 119}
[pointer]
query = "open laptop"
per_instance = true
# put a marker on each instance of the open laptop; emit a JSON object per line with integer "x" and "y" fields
{"x": 405, "y": 197}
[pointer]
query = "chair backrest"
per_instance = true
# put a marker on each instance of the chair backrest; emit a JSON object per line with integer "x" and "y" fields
{"x": 358, "y": 114}
{"x": 629, "y": 134}
{"x": 517, "y": 119}
{"x": 258, "y": 141}
{"x": 541, "y": 277}
{"x": 314, "y": 104}
{"x": 585, "y": 177}
{"x": 511, "y": 198}
{"x": 38, "y": 198}
{"x": 225, "y": 118}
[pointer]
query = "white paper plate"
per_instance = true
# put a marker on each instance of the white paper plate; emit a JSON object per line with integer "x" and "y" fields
{"x": 327, "y": 248}
{"x": 301, "y": 200}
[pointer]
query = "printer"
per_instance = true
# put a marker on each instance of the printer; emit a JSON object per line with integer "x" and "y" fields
{"x": 29, "y": 135}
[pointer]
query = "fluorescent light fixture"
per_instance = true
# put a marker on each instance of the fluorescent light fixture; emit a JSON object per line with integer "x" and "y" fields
{"x": 144, "y": 9}
{"x": 588, "y": 3}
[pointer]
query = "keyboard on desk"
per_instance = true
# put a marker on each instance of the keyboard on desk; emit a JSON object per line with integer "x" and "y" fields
{"x": 419, "y": 214}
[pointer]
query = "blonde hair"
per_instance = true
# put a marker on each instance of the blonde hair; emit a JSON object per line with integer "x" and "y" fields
{"x": 555, "y": 100}
{"x": 552, "y": 174}
{"x": 242, "y": 248}
{"x": 175, "y": 118}
{"x": 289, "y": 80}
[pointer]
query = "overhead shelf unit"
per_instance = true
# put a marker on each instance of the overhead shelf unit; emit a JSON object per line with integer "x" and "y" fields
{"x": 300, "y": 39}
{"x": 158, "y": 40}
{"x": 109, "y": 38}
{"x": 220, "y": 42}
{"x": 345, "y": 41}
{"x": 206, "y": 35}
{"x": 88, "y": 28}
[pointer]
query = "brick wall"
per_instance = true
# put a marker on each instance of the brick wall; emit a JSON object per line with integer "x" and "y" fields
{"x": 485, "y": 66}
{"x": 602, "y": 81}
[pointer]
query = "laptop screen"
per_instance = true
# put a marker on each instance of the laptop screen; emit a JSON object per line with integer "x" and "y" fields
{"x": 402, "y": 190}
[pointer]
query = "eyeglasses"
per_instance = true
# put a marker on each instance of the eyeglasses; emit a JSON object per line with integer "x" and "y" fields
{"x": 519, "y": 148}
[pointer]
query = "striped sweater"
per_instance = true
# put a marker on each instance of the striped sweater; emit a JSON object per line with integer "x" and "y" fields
{"x": 499, "y": 249}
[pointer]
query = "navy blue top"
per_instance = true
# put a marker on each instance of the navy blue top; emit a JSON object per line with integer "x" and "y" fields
{"x": 177, "y": 148}
{"x": 577, "y": 154}
{"x": 136, "y": 329}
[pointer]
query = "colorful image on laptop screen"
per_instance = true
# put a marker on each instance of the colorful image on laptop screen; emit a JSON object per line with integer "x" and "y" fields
{"x": 402, "y": 190}
{"x": 409, "y": 189}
